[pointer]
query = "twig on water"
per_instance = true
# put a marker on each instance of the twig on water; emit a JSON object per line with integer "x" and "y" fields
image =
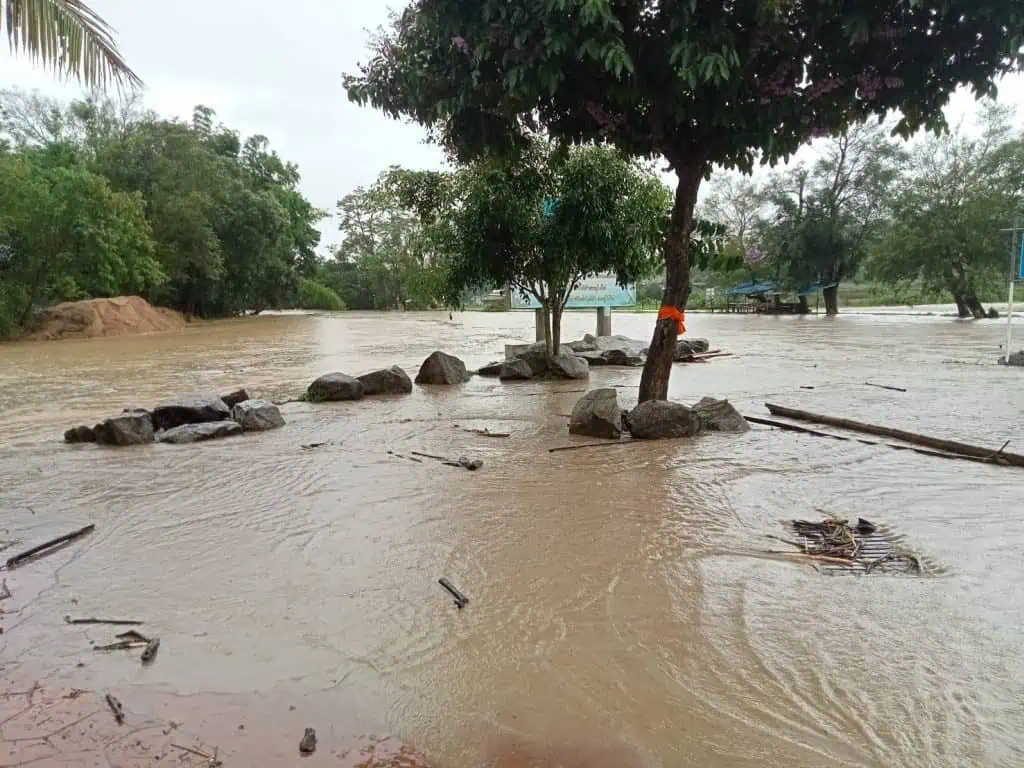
{"x": 116, "y": 708}
{"x": 488, "y": 433}
{"x": 592, "y": 445}
{"x": 47, "y": 547}
{"x": 212, "y": 760}
{"x": 122, "y": 645}
{"x": 460, "y": 599}
{"x": 884, "y": 386}
{"x": 402, "y": 456}
{"x": 116, "y": 622}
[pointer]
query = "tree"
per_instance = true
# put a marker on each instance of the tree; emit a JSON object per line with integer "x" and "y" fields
{"x": 384, "y": 246}
{"x": 66, "y": 234}
{"x": 698, "y": 83}
{"x": 545, "y": 222}
{"x": 959, "y": 192}
{"x": 826, "y": 216}
{"x": 66, "y": 35}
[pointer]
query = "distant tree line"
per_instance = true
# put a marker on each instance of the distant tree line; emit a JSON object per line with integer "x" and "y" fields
{"x": 927, "y": 214}
{"x": 101, "y": 197}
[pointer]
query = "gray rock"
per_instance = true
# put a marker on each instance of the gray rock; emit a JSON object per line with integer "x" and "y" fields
{"x": 597, "y": 414}
{"x": 82, "y": 434}
{"x": 1017, "y": 358}
{"x": 516, "y": 370}
{"x": 234, "y": 398}
{"x": 441, "y": 368}
{"x": 686, "y": 348}
{"x": 569, "y": 367}
{"x": 332, "y": 387}
{"x": 593, "y": 357}
{"x": 491, "y": 369}
{"x": 128, "y": 428}
{"x": 659, "y": 419}
{"x": 256, "y": 415}
{"x": 386, "y": 381}
{"x": 196, "y": 409}
{"x": 196, "y": 433}
{"x": 631, "y": 347}
{"x": 720, "y": 416}
{"x": 614, "y": 357}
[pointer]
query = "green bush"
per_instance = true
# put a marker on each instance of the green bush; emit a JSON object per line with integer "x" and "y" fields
{"x": 314, "y": 295}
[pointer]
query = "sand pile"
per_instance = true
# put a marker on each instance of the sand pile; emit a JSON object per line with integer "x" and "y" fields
{"x": 119, "y": 316}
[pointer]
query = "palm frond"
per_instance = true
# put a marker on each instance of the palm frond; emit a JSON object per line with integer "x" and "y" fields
{"x": 66, "y": 35}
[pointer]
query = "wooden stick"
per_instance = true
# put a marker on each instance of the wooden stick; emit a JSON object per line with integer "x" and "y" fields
{"x": 430, "y": 456}
{"x": 117, "y": 622}
{"x": 460, "y": 599}
{"x": 950, "y": 446}
{"x": 488, "y": 433}
{"x": 121, "y": 645}
{"x": 592, "y": 445}
{"x": 116, "y": 708}
{"x": 45, "y": 547}
{"x": 884, "y": 386}
{"x": 923, "y": 451}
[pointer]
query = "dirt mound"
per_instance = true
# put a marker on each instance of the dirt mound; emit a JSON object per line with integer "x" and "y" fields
{"x": 119, "y": 316}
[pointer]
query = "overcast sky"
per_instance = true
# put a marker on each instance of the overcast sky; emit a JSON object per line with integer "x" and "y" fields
{"x": 275, "y": 68}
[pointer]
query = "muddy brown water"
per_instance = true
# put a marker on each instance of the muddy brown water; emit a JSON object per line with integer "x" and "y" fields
{"x": 614, "y": 601}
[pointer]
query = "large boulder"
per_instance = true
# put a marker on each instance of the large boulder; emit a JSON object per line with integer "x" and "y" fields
{"x": 257, "y": 415}
{"x": 720, "y": 416}
{"x": 128, "y": 428}
{"x": 569, "y": 367}
{"x": 441, "y": 368}
{"x": 234, "y": 398}
{"x": 195, "y": 409}
{"x": 491, "y": 369}
{"x": 659, "y": 419}
{"x": 332, "y": 387}
{"x": 196, "y": 433}
{"x": 386, "y": 381}
{"x": 515, "y": 370}
{"x": 686, "y": 348}
{"x": 82, "y": 434}
{"x": 590, "y": 343}
{"x": 597, "y": 414}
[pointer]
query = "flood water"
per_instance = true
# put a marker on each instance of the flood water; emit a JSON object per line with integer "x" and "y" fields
{"x": 616, "y": 597}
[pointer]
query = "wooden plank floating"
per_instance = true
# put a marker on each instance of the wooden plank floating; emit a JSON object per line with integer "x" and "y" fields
{"x": 47, "y": 547}
{"x": 997, "y": 456}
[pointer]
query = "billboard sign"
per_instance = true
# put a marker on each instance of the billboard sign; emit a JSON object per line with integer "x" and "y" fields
{"x": 592, "y": 292}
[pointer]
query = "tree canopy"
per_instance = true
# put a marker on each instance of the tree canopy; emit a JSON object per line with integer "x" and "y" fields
{"x": 698, "y": 83}
{"x": 99, "y": 198}
{"x": 541, "y": 224}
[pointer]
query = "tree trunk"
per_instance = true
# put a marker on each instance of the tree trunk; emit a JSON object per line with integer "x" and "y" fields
{"x": 660, "y": 355}
{"x": 805, "y": 308}
{"x": 974, "y": 306}
{"x": 556, "y": 330}
{"x": 547, "y": 326}
{"x": 831, "y": 296}
{"x": 961, "y": 306}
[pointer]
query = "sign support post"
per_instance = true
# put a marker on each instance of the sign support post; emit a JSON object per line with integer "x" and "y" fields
{"x": 1016, "y": 273}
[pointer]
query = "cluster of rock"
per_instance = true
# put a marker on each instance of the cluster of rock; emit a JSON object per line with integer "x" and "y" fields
{"x": 575, "y": 359}
{"x": 1016, "y": 358}
{"x": 190, "y": 419}
{"x": 438, "y": 368}
{"x": 597, "y": 414}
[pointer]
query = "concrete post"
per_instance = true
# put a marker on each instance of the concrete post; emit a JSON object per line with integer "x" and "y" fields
{"x": 604, "y": 321}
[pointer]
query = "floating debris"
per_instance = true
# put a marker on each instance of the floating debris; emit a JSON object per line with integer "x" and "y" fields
{"x": 864, "y": 547}
{"x": 307, "y": 745}
{"x": 460, "y": 599}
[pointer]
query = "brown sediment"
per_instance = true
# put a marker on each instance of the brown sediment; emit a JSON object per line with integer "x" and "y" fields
{"x": 118, "y": 316}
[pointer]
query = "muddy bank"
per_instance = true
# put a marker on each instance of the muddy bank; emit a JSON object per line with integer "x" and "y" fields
{"x": 98, "y": 318}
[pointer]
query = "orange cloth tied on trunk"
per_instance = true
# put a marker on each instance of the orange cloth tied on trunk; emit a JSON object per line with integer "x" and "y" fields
{"x": 671, "y": 313}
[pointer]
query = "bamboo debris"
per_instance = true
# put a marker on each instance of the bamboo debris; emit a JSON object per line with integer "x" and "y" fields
{"x": 47, "y": 547}
{"x": 937, "y": 444}
{"x": 854, "y": 547}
